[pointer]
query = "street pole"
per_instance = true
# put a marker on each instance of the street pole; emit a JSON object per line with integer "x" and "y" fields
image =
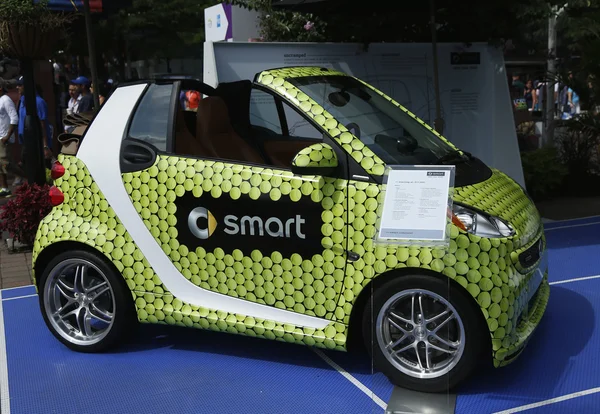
{"x": 439, "y": 122}
{"x": 91, "y": 52}
{"x": 548, "y": 135}
{"x": 34, "y": 160}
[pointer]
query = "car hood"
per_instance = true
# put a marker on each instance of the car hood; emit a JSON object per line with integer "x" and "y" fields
{"x": 501, "y": 196}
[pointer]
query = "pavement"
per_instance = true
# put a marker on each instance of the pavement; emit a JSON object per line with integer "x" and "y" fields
{"x": 15, "y": 268}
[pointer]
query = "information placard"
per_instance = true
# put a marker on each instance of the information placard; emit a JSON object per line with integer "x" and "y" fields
{"x": 416, "y": 203}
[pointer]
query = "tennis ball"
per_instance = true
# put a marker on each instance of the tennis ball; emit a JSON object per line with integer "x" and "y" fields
{"x": 437, "y": 265}
{"x": 450, "y": 272}
{"x": 461, "y": 255}
{"x": 492, "y": 324}
{"x": 462, "y": 242}
{"x": 449, "y": 260}
{"x": 473, "y": 276}
{"x": 425, "y": 256}
{"x": 494, "y": 254}
{"x": 454, "y": 232}
{"x": 473, "y": 289}
{"x": 504, "y": 304}
{"x": 462, "y": 281}
{"x": 461, "y": 268}
{"x": 484, "y": 299}
{"x": 503, "y": 320}
{"x": 496, "y": 294}
{"x": 500, "y": 333}
{"x": 486, "y": 284}
{"x": 473, "y": 263}
{"x": 494, "y": 310}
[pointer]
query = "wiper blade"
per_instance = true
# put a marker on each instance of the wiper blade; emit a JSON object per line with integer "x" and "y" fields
{"x": 454, "y": 155}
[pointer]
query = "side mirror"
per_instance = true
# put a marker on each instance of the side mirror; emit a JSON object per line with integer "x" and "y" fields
{"x": 316, "y": 159}
{"x": 407, "y": 145}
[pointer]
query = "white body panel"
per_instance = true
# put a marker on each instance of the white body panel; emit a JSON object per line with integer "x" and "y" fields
{"x": 100, "y": 152}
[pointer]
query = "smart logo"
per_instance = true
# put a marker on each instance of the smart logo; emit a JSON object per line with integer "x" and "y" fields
{"x": 201, "y": 213}
{"x": 246, "y": 225}
{"x": 285, "y": 226}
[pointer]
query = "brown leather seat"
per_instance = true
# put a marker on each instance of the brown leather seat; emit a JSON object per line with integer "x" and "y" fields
{"x": 185, "y": 142}
{"x": 216, "y": 134}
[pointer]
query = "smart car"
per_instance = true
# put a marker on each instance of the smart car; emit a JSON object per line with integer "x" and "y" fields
{"x": 254, "y": 211}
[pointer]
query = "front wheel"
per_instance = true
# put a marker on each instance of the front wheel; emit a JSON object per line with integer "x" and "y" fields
{"x": 423, "y": 333}
{"x": 84, "y": 302}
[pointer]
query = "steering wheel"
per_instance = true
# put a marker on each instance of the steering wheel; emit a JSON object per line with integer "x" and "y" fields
{"x": 355, "y": 127}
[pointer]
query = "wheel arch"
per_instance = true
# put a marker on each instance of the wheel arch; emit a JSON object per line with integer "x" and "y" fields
{"x": 46, "y": 255}
{"x": 360, "y": 305}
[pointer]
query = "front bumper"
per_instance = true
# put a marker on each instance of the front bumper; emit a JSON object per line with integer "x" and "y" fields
{"x": 534, "y": 296}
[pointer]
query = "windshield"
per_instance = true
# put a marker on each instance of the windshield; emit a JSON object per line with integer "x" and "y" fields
{"x": 391, "y": 133}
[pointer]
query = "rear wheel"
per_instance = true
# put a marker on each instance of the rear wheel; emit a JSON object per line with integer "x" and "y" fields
{"x": 423, "y": 334}
{"x": 84, "y": 302}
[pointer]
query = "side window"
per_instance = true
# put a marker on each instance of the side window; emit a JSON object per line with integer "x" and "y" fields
{"x": 263, "y": 111}
{"x": 298, "y": 126}
{"x": 151, "y": 120}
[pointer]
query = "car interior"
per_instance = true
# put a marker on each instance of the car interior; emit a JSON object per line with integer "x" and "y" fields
{"x": 219, "y": 127}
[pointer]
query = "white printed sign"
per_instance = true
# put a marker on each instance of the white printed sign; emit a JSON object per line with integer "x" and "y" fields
{"x": 416, "y": 204}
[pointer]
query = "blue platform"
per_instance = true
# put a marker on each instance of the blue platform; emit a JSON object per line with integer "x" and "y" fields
{"x": 177, "y": 370}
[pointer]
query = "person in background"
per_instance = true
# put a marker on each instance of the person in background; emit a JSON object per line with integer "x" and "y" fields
{"x": 75, "y": 94}
{"x": 8, "y": 123}
{"x": 517, "y": 84}
{"x": 42, "y": 113}
{"x": 529, "y": 95}
{"x": 86, "y": 104}
{"x": 101, "y": 93}
{"x": 573, "y": 98}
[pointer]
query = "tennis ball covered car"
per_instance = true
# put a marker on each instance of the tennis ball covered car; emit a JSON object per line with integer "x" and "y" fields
{"x": 255, "y": 212}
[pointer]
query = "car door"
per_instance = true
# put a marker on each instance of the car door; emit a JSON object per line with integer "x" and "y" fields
{"x": 236, "y": 225}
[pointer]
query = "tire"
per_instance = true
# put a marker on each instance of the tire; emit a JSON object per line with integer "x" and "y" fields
{"x": 103, "y": 294}
{"x": 467, "y": 323}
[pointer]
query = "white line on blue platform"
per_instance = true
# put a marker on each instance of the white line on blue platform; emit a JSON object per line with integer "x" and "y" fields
{"x": 577, "y": 279}
{"x": 18, "y": 287}
{"x": 550, "y": 401}
{"x": 595, "y": 223}
{"x": 19, "y": 297}
{"x": 353, "y": 380}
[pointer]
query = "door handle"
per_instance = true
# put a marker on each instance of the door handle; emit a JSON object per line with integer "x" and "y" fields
{"x": 137, "y": 156}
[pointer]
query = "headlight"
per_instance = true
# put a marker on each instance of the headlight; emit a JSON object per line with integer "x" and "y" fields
{"x": 479, "y": 224}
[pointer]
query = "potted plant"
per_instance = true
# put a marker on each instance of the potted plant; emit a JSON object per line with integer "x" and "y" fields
{"x": 22, "y": 215}
{"x": 29, "y": 30}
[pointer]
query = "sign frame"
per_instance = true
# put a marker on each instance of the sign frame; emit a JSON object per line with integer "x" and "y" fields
{"x": 408, "y": 241}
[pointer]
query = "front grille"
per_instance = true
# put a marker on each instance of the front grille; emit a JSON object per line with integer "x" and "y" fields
{"x": 530, "y": 256}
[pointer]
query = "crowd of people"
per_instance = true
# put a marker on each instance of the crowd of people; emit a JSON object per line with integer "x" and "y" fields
{"x": 530, "y": 95}
{"x": 12, "y": 130}
{"x": 74, "y": 96}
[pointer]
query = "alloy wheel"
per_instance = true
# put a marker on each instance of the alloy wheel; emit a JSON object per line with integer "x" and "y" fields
{"x": 420, "y": 333}
{"x": 79, "y": 302}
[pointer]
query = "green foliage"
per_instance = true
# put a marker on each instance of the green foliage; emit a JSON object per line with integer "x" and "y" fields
{"x": 161, "y": 29}
{"x": 29, "y": 14}
{"x": 280, "y": 26}
{"x": 579, "y": 143}
{"x": 25, "y": 11}
{"x": 544, "y": 172}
